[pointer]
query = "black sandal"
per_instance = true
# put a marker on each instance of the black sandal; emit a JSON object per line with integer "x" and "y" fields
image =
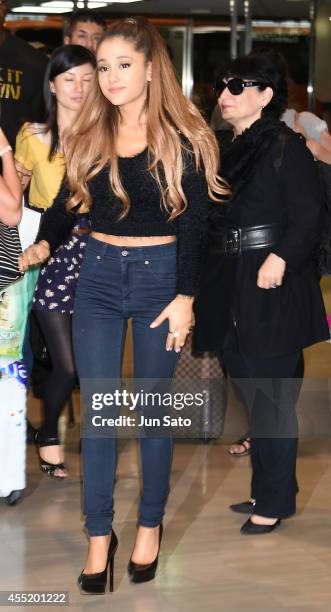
{"x": 45, "y": 466}
{"x": 241, "y": 442}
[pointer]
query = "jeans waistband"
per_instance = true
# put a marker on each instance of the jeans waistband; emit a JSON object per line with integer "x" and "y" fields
{"x": 135, "y": 252}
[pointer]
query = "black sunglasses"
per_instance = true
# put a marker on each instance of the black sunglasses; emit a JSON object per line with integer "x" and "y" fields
{"x": 235, "y": 86}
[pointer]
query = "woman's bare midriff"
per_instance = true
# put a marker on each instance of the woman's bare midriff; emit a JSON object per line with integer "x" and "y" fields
{"x": 133, "y": 241}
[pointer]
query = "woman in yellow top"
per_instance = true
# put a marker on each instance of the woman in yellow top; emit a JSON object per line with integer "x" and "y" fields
{"x": 39, "y": 161}
{"x": 34, "y": 166}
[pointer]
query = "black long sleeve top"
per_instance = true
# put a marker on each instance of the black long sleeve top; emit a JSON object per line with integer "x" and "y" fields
{"x": 146, "y": 216}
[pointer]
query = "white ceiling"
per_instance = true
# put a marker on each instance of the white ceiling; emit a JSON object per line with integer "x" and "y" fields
{"x": 296, "y": 9}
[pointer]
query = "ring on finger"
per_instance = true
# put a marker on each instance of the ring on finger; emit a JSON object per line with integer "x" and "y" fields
{"x": 174, "y": 333}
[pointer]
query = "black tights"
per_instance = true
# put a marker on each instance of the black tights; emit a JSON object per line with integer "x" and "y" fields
{"x": 56, "y": 329}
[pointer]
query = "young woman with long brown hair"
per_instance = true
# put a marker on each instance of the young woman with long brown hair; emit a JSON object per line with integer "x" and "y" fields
{"x": 143, "y": 161}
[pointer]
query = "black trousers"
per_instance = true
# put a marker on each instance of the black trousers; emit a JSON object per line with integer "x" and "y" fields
{"x": 269, "y": 388}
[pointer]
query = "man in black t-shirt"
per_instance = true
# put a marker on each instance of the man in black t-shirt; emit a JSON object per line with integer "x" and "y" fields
{"x": 22, "y": 71}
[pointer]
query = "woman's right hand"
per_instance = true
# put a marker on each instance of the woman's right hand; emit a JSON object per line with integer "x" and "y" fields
{"x": 34, "y": 255}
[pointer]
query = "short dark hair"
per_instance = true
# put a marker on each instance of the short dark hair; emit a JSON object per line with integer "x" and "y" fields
{"x": 62, "y": 59}
{"x": 85, "y": 16}
{"x": 268, "y": 67}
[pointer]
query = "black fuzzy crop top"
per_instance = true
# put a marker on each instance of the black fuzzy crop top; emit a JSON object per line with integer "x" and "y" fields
{"x": 146, "y": 216}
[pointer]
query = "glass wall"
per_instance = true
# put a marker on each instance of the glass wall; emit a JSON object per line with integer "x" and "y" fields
{"x": 295, "y": 49}
{"x": 210, "y": 48}
{"x": 175, "y": 38}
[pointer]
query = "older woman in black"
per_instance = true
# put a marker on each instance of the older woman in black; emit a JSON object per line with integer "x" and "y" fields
{"x": 260, "y": 303}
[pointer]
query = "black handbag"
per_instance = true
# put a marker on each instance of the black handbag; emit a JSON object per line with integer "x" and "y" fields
{"x": 10, "y": 250}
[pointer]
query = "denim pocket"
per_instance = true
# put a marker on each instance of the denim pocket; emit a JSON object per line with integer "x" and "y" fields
{"x": 161, "y": 269}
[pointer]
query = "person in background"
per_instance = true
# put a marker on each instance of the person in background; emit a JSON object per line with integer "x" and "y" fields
{"x": 39, "y": 159}
{"x": 85, "y": 28}
{"x": 318, "y": 140}
{"x": 10, "y": 186}
{"x": 260, "y": 302}
{"x": 12, "y": 481}
{"x": 22, "y": 70}
{"x": 314, "y": 130}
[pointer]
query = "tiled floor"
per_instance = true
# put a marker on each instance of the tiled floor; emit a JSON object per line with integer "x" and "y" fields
{"x": 205, "y": 564}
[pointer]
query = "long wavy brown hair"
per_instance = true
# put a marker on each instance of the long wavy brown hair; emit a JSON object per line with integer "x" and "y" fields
{"x": 175, "y": 129}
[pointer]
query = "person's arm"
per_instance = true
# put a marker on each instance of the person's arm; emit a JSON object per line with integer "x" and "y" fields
{"x": 24, "y": 158}
{"x": 192, "y": 227}
{"x": 315, "y": 131}
{"x": 23, "y": 174}
{"x": 55, "y": 226}
{"x": 10, "y": 187}
{"x": 57, "y": 222}
{"x": 322, "y": 150}
{"x": 326, "y": 140}
{"x": 192, "y": 231}
{"x": 303, "y": 198}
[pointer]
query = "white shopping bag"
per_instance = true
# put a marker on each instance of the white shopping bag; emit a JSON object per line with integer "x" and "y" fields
{"x": 13, "y": 376}
{"x": 29, "y": 226}
{"x": 12, "y": 426}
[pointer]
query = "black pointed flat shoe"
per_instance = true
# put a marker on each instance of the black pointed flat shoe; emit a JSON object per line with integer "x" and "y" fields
{"x": 250, "y": 528}
{"x": 246, "y": 507}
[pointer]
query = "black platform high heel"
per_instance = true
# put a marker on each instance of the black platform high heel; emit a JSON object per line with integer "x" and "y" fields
{"x": 139, "y": 572}
{"x": 96, "y": 583}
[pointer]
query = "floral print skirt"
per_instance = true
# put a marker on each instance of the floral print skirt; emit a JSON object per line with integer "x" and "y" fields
{"x": 57, "y": 281}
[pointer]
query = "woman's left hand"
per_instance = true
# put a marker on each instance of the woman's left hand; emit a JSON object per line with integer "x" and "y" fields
{"x": 271, "y": 273}
{"x": 180, "y": 315}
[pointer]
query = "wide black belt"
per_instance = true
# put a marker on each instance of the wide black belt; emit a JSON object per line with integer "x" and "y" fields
{"x": 235, "y": 240}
